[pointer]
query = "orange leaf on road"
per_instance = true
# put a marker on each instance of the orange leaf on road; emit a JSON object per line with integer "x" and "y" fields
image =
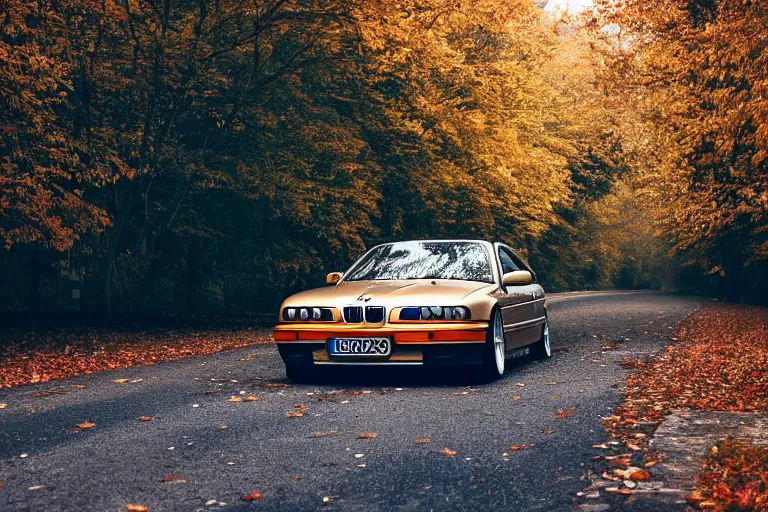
{"x": 516, "y": 447}
{"x": 86, "y": 425}
{"x": 420, "y": 441}
{"x": 367, "y": 435}
{"x": 145, "y": 418}
{"x": 548, "y": 431}
{"x": 448, "y": 453}
{"x": 252, "y": 497}
{"x": 133, "y": 507}
{"x": 173, "y": 479}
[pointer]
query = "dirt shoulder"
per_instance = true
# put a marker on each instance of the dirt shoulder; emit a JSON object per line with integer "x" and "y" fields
{"x": 717, "y": 366}
{"x": 32, "y": 357}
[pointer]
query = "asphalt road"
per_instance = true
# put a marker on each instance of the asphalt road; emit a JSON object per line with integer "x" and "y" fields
{"x": 45, "y": 466}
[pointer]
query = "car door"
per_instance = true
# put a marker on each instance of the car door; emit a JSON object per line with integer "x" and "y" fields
{"x": 519, "y": 312}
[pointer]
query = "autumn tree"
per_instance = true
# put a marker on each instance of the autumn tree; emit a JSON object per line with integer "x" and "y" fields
{"x": 697, "y": 72}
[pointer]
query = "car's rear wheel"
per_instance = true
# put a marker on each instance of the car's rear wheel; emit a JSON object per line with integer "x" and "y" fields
{"x": 495, "y": 356}
{"x": 542, "y": 349}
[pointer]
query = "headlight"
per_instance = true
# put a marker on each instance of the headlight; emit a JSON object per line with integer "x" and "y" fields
{"x": 435, "y": 313}
{"x": 308, "y": 314}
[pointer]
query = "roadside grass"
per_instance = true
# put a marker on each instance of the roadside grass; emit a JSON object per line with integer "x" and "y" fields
{"x": 719, "y": 363}
{"x": 44, "y": 356}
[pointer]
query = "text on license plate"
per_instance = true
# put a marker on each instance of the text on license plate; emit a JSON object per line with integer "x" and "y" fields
{"x": 359, "y": 347}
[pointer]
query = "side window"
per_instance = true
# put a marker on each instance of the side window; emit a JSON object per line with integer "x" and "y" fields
{"x": 507, "y": 263}
{"x": 520, "y": 263}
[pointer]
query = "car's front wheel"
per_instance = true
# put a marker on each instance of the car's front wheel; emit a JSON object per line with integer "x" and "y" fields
{"x": 495, "y": 355}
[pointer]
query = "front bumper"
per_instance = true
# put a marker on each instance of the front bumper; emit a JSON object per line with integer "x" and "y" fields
{"x": 436, "y": 355}
{"x": 430, "y": 345}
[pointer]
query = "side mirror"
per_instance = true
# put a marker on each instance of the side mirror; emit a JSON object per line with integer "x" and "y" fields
{"x": 517, "y": 278}
{"x": 333, "y": 278}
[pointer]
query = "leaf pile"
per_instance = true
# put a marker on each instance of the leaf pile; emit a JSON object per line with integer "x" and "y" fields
{"x": 41, "y": 357}
{"x": 720, "y": 364}
{"x": 734, "y": 477}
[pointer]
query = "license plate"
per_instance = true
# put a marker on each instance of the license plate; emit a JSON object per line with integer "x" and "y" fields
{"x": 375, "y": 347}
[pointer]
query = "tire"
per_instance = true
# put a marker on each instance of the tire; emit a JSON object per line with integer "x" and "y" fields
{"x": 300, "y": 373}
{"x": 494, "y": 357}
{"x": 542, "y": 349}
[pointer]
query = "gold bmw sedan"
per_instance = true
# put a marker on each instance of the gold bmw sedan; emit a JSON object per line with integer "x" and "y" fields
{"x": 431, "y": 303}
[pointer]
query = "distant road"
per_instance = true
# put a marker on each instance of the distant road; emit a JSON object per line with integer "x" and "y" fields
{"x": 123, "y": 460}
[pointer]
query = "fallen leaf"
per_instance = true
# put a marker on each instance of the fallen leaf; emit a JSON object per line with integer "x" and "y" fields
{"x": 223, "y": 427}
{"x": 136, "y": 508}
{"x": 274, "y": 385}
{"x": 327, "y": 499}
{"x": 634, "y": 447}
{"x": 145, "y": 418}
{"x": 548, "y": 431}
{"x": 367, "y": 435}
{"x": 173, "y": 479}
{"x": 247, "y": 359}
{"x": 520, "y": 384}
{"x": 551, "y": 383}
{"x": 448, "y": 453}
{"x": 235, "y": 399}
{"x": 51, "y": 393}
{"x": 295, "y": 414}
{"x": 421, "y": 441}
{"x": 252, "y": 398}
{"x": 79, "y": 386}
{"x": 695, "y": 497}
{"x": 297, "y": 477}
{"x": 123, "y": 381}
{"x": 3, "y": 406}
{"x": 609, "y": 476}
{"x": 330, "y": 463}
{"x": 86, "y": 425}
{"x": 600, "y": 446}
{"x": 516, "y": 447}
{"x": 640, "y": 476}
{"x": 252, "y": 497}
{"x": 564, "y": 414}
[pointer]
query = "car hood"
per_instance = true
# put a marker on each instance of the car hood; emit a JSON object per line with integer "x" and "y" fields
{"x": 416, "y": 292}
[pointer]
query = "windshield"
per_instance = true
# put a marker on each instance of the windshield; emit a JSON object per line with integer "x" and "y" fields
{"x": 466, "y": 261}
